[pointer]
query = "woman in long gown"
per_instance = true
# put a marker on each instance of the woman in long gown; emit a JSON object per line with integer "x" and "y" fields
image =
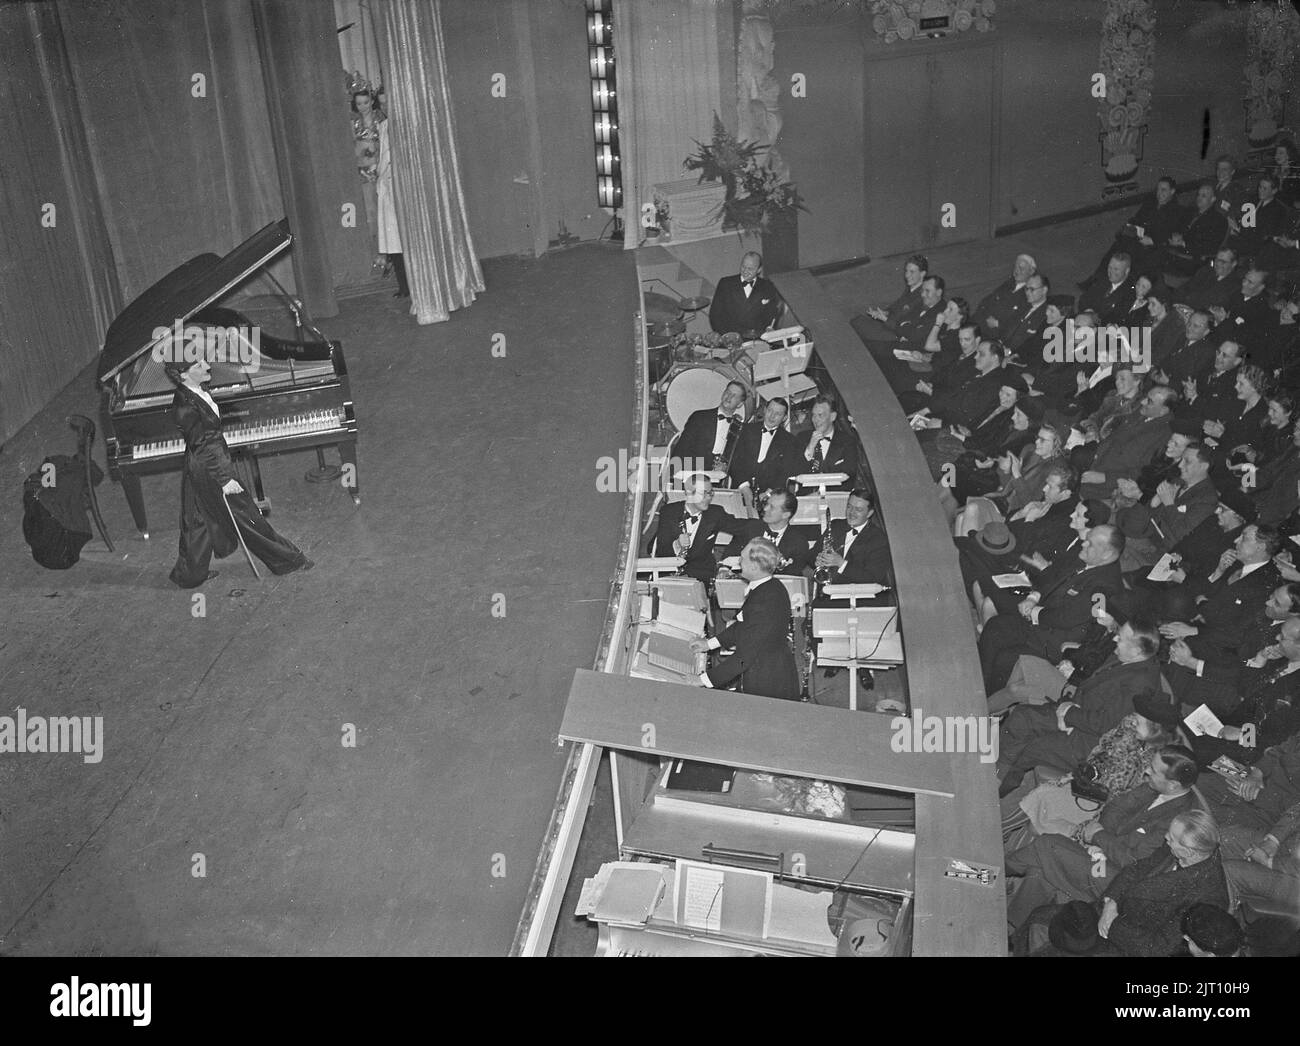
{"x": 208, "y": 485}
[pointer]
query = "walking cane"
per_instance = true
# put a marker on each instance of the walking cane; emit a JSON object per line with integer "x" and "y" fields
{"x": 240, "y": 536}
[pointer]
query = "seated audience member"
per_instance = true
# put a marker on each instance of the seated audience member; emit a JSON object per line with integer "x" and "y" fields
{"x": 1274, "y": 441}
{"x": 1276, "y": 485}
{"x": 1062, "y": 735}
{"x": 977, "y": 455}
{"x": 1161, "y": 466}
{"x": 949, "y": 371}
{"x": 765, "y": 453}
{"x": 1130, "y": 442}
{"x": 1045, "y": 804}
{"x": 1258, "y": 804}
{"x": 1054, "y": 868}
{"x": 1202, "y": 234}
{"x": 1279, "y": 348}
{"x": 1056, "y": 612}
{"x": 1261, "y": 692}
{"x": 1191, "y": 357}
{"x": 1179, "y": 508}
{"x": 1229, "y": 191}
{"x": 1033, "y": 353}
{"x": 1213, "y": 284}
{"x": 999, "y": 312}
{"x": 762, "y": 658}
{"x": 1148, "y": 232}
{"x": 689, "y": 529}
{"x": 1121, "y": 402}
{"x": 1028, "y": 326}
{"x": 1266, "y": 878}
{"x": 746, "y": 304}
{"x": 859, "y": 553}
{"x": 791, "y": 543}
{"x": 1240, "y": 423}
{"x": 1143, "y": 907}
{"x": 702, "y": 444}
{"x": 1286, "y": 171}
{"x": 1272, "y": 220}
{"x": 1020, "y": 479}
{"x": 943, "y": 342}
{"x": 1216, "y": 390}
{"x": 830, "y": 447}
{"x": 1210, "y": 932}
{"x": 911, "y": 333}
{"x": 1246, "y": 316}
{"x": 1111, "y": 296}
{"x": 1168, "y": 331}
{"x": 882, "y": 322}
{"x": 973, "y": 399}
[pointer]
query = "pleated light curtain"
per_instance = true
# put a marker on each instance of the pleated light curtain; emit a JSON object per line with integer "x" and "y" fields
{"x": 441, "y": 266}
{"x": 667, "y": 72}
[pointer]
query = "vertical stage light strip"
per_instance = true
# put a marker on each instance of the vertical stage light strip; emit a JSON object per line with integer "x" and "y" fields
{"x": 604, "y": 104}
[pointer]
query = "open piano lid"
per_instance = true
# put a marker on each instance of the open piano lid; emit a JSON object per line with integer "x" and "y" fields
{"x": 183, "y": 292}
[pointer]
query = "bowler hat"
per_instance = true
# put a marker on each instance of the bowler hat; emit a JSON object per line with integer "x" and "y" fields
{"x": 1157, "y": 706}
{"x": 996, "y": 538}
{"x": 1240, "y": 503}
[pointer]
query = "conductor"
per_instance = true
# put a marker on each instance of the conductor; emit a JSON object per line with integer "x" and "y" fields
{"x": 763, "y": 659}
{"x": 747, "y": 304}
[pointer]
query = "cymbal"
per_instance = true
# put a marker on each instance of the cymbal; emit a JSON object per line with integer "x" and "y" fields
{"x": 666, "y": 329}
{"x": 695, "y": 304}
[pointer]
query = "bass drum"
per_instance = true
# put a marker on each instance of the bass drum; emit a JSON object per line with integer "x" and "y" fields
{"x": 697, "y": 386}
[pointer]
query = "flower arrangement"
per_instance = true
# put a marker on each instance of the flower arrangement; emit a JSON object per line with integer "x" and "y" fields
{"x": 1127, "y": 63}
{"x": 901, "y": 19}
{"x": 1272, "y": 40}
{"x": 755, "y": 194}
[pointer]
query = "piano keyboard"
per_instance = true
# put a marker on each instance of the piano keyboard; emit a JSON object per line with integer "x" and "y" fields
{"x": 252, "y": 432}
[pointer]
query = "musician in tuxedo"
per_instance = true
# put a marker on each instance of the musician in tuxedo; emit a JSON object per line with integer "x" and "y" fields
{"x": 748, "y": 303}
{"x": 1111, "y": 296}
{"x": 1058, "y": 611}
{"x": 830, "y": 448}
{"x": 859, "y": 552}
{"x": 791, "y": 542}
{"x": 689, "y": 529}
{"x": 707, "y": 433}
{"x": 761, "y": 660}
{"x": 765, "y": 452}
{"x": 211, "y": 496}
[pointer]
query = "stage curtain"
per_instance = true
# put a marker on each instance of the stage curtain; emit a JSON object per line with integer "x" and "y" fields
{"x": 311, "y": 128}
{"x": 441, "y": 266}
{"x": 60, "y": 288}
{"x": 669, "y": 86}
{"x": 358, "y": 47}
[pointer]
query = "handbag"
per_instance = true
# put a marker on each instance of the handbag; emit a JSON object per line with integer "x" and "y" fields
{"x": 1084, "y": 785}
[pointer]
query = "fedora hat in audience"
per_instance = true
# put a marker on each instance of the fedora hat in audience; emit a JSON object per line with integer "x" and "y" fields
{"x": 1157, "y": 706}
{"x": 1134, "y": 521}
{"x": 1240, "y": 503}
{"x": 1073, "y": 929}
{"x": 996, "y": 538}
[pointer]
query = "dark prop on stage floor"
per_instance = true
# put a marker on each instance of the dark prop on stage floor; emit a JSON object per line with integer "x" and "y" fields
{"x": 275, "y": 394}
{"x": 56, "y": 498}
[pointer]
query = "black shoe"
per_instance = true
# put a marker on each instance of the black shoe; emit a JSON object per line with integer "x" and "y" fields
{"x": 831, "y": 673}
{"x": 865, "y": 680}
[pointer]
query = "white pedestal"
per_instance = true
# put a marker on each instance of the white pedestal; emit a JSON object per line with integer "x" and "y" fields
{"x": 695, "y": 210}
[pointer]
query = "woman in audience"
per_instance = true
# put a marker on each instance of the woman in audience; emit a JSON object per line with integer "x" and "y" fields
{"x": 973, "y": 452}
{"x": 1020, "y": 478}
{"x": 1242, "y": 421}
{"x": 1139, "y": 313}
{"x": 1142, "y": 909}
{"x": 1276, "y": 436}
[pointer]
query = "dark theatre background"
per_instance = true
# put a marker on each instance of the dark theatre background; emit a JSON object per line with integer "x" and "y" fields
{"x": 222, "y": 731}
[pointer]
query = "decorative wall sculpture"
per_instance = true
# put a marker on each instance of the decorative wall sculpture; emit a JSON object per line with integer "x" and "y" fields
{"x": 895, "y": 20}
{"x": 1128, "y": 48}
{"x": 1272, "y": 42}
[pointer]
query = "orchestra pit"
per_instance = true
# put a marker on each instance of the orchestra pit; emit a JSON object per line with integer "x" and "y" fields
{"x": 595, "y": 478}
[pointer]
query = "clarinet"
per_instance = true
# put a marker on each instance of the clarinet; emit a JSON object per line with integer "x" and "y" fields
{"x": 722, "y": 462}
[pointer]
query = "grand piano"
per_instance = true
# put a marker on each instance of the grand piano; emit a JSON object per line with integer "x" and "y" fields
{"x": 294, "y": 396}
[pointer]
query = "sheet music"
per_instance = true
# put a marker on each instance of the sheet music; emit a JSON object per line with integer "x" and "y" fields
{"x": 702, "y": 897}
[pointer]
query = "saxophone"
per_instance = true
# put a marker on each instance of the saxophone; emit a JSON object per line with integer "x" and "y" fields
{"x": 823, "y": 575}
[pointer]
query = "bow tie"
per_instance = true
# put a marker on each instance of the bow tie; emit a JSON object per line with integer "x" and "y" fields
{"x": 747, "y": 283}
{"x": 854, "y": 531}
{"x": 726, "y": 417}
{"x": 767, "y": 431}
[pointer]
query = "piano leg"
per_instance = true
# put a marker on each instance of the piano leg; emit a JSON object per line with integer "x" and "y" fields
{"x": 351, "y": 479}
{"x": 135, "y": 499}
{"x": 250, "y": 478}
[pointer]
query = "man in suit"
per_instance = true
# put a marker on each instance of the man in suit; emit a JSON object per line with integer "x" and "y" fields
{"x": 1111, "y": 297}
{"x": 1129, "y": 827}
{"x": 689, "y": 529}
{"x": 704, "y": 438}
{"x": 1247, "y": 806}
{"x": 882, "y": 322}
{"x": 1213, "y": 394}
{"x": 749, "y": 303}
{"x": 791, "y": 543}
{"x": 762, "y": 658}
{"x": 1246, "y": 315}
{"x": 1005, "y": 305}
{"x": 1148, "y": 231}
{"x": 1212, "y": 284}
{"x": 1202, "y": 234}
{"x": 1229, "y": 192}
{"x": 859, "y": 553}
{"x": 1130, "y": 444}
{"x": 1178, "y": 508}
{"x": 968, "y": 402}
{"x": 830, "y": 448}
{"x": 1192, "y": 357}
{"x": 1062, "y": 735}
{"x": 1028, "y": 324}
{"x": 765, "y": 452}
{"x": 1058, "y": 611}
{"x": 1272, "y": 219}
{"x": 911, "y": 330}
